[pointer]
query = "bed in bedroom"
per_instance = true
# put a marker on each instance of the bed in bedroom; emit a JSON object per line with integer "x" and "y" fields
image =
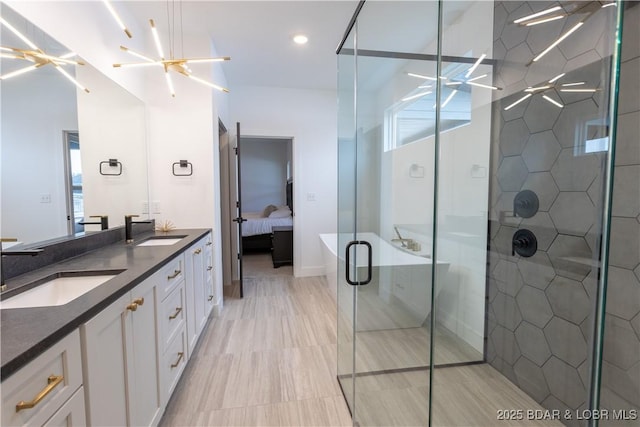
{"x": 256, "y": 231}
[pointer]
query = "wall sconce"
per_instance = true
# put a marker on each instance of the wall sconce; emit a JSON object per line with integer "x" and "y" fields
{"x": 416, "y": 171}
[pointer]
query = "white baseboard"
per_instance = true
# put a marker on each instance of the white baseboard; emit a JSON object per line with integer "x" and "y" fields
{"x": 308, "y": 271}
{"x": 217, "y": 308}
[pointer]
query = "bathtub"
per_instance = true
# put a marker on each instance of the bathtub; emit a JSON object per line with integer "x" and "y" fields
{"x": 400, "y": 290}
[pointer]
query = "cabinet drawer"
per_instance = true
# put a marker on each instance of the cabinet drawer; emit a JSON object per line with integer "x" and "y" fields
{"x": 72, "y": 412}
{"x": 48, "y": 381}
{"x": 174, "y": 361}
{"x": 172, "y": 315}
{"x": 170, "y": 276}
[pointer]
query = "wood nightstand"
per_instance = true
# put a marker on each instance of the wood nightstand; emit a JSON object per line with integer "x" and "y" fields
{"x": 282, "y": 245}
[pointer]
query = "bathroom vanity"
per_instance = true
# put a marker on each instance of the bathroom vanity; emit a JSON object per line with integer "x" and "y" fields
{"x": 114, "y": 354}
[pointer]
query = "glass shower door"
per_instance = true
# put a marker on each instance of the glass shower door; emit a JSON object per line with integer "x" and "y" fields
{"x": 385, "y": 204}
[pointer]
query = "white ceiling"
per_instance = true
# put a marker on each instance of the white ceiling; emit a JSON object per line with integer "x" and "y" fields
{"x": 257, "y": 35}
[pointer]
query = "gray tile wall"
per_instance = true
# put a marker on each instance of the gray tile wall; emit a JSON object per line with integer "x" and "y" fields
{"x": 540, "y": 309}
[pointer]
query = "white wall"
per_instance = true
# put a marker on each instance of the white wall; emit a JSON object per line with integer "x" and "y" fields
{"x": 264, "y": 173}
{"x": 36, "y": 108}
{"x": 310, "y": 118}
{"x": 112, "y": 125}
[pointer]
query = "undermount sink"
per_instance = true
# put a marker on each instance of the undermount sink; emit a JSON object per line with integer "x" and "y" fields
{"x": 59, "y": 289}
{"x": 161, "y": 241}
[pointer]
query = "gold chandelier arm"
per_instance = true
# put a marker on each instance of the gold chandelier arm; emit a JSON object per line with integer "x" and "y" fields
{"x": 206, "y": 83}
{"x": 71, "y": 78}
{"x": 204, "y": 60}
{"x": 18, "y": 72}
{"x": 169, "y": 83}
{"x": 59, "y": 59}
{"x": 136, "y": 54}
{"x": 156, "y": 39}
{"x": 19, "y": 34}
{"x": 71, "y": 55}
{"x": 11, "y": 56}
{"x": 137, "y": 64}
{"x": 116, "y": 17}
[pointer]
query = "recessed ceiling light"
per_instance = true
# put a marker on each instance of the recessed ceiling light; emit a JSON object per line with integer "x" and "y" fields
{"x": 300, "y": 39}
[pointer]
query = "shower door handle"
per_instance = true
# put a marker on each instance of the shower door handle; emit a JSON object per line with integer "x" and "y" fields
{"x": 348, "y": 262}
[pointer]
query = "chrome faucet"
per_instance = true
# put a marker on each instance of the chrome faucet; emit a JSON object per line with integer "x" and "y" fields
{"x": 128, "y": 227}
{"x": 32, "y": 252}
{"x": 103, "y": 223}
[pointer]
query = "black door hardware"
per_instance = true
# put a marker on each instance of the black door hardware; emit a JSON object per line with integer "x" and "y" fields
{"x": 348, "y": 263}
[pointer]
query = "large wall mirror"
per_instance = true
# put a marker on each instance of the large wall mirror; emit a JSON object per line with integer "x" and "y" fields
{"x": 66, "y": 155}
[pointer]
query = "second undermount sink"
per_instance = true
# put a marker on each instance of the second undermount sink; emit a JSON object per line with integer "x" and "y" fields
{"x": 59, "y": 289}
{"x": 161, "y": 241}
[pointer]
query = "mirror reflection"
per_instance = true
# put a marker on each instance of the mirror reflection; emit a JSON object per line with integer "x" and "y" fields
{"x": 67, "y": 155}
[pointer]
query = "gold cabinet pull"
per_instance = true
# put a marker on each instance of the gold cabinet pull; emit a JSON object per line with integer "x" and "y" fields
{"x": 174, "y": 315}
{"x": 209, "y": 243}
{"x": 175, "y": 365}
{"x": 197, "y": 251}
{"x": 139, "y": 301}
{"x": 210, "y": 298}
{"x": 175, "y": 274}
{"x": 209, "y": 268}
{"x": 52, "y": 382}
{"x": 133, "y": 306}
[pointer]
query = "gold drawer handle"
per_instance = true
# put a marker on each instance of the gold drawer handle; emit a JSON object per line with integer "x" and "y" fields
{"x": 175, "y": 365}
{"x": 133, "y": 306}
{"x": 209, "y": 243}
{"x": 210, "y": 298}
{"x": 52, "y": 382}
{"x": 209, "y": 268}
{"x": 174, "y": 315}
{"x": 175, "y": 274}
{"x": 139, "y": 301}
{"x": 197, "y": 251}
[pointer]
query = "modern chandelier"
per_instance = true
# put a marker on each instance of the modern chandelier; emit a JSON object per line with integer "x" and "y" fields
{"x": 37, "y": 57}
{"x": 171, "y": 64}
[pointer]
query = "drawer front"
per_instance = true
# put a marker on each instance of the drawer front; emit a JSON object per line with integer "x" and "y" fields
{"x": 174, "y": 362}
{"x": 72, "y": 412}
{"x": 172, "y": 315}
{"x": 46, "y": 382}
{"x": 170, "y": 276}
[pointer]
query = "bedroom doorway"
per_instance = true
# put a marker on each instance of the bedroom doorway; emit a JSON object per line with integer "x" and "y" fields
{"x": 267, "y": 205}
{"x": 259, "y": 209}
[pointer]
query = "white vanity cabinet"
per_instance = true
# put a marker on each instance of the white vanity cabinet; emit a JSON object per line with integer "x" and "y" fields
{"x": 198, "y": 288}
{"x": 48, "y": 390}
{"x": 120, "y": 349}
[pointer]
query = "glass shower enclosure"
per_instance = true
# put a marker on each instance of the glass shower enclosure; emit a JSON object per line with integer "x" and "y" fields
{"x": 488, "y": 234}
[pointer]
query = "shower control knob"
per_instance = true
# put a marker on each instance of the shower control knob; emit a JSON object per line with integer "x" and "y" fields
{"x": 525, "y": 204}
{"x": 524, "y": 243}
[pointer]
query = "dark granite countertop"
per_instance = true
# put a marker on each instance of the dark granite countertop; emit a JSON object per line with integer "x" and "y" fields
{"x": 28, "y": 332}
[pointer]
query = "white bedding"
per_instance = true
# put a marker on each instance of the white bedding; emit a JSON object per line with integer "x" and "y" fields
{"x": 257, "y": 224}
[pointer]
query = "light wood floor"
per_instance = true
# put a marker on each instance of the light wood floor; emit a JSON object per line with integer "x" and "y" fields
{"x": 270, "y": 360}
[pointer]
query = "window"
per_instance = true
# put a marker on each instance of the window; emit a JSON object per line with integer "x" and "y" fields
{"x": 414, "y": 117}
